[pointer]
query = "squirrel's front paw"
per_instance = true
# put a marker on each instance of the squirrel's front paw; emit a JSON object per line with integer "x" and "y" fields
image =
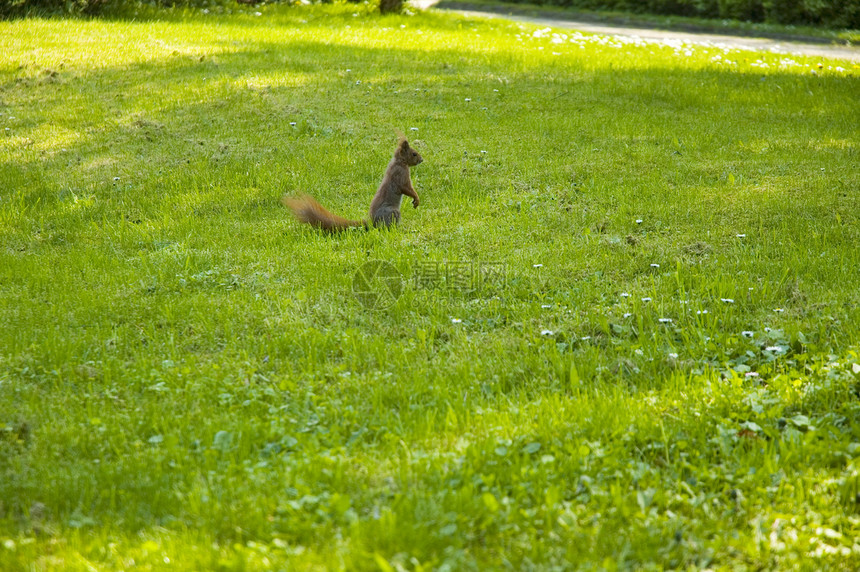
{"x": 415, "y": 202}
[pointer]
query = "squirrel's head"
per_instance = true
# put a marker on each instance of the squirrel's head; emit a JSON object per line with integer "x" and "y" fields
{"x": 407, "y": 154}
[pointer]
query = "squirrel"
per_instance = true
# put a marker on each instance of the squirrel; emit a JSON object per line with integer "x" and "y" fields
{"x": 385, "y": 206}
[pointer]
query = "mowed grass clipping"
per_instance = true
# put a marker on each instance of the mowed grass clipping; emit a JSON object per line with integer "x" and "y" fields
{"x": 624, "y": 333}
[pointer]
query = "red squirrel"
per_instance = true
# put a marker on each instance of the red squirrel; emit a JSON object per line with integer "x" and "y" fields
{"x": 385, "y": 206}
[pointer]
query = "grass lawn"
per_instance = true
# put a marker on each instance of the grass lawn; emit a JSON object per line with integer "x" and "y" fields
{"x": 620, "y": 332}
{"x": 664, "y": 22}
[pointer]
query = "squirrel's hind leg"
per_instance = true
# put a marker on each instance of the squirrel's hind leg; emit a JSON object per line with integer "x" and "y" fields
{"x": 386, "y": 218}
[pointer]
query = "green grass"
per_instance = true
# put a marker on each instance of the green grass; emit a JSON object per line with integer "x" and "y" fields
{"x": 187, "y": 380}
{"x": 817, "y": 34}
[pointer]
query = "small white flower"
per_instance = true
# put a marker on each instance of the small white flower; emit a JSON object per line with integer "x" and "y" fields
{"x": 468, "y": 99}
{"x": 547, "y": 333}
{"x": 741, "y": 235}
{"x": 413, "y": 129}
{"x": 655, "y": 266}
{"x": 627, "y": 314}
{"x": 625, "y": 295}
{"x": 585, "y": 338}
{"x": 358, "y": 82}
{"x": 727, "y": 300}
{"x": 496, "y": 90}
{"x": 664, "y": 320}
{"x": 778, "y": 310}
{"x": 673, "y": 355}
{"x": 638, "y": 352}
{"x": 638, "y": 221}
{"x": 773, "y": 349}
{"x": 349, "y": 70}
{"x": 483, "y": 152}
{"x": 751, "y": 374}
{"x": 747, "y": 334}
{"x": 537, "y": 265}
{"x": 700, "y": 312}
{"x": 767, "y": 329}
{"x": 116, "y": 178}
{"x": 646, "y": 299}
{"x": 456, "y": 320}
{"x": 258, "y": 13}
{"x": 684, "y": 302}
{"x": 292, "y": 123}
{"x": 546, "y": 306}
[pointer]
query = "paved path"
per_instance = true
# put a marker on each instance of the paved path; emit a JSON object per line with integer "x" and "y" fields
{"x": 760, "y": 44}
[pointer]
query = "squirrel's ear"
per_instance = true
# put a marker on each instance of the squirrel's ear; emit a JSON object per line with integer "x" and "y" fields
{"x": 404, "y": 144}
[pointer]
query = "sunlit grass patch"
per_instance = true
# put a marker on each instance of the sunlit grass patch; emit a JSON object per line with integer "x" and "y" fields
{"x": 626, "y": 332}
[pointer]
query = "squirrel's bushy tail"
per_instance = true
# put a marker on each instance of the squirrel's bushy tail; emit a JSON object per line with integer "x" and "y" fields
{"x": 306, "y": 209}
